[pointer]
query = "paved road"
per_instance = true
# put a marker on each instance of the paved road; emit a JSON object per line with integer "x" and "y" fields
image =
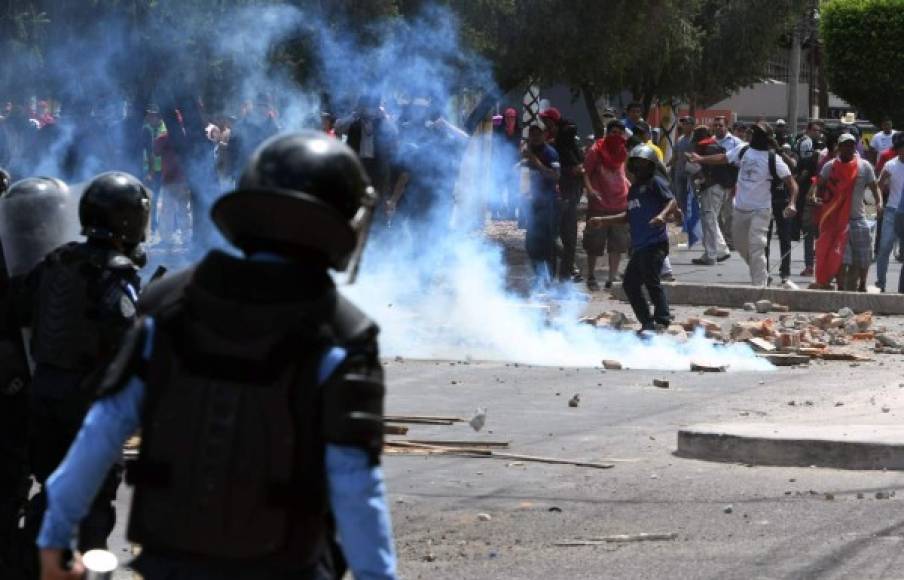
{"x": 781, "y": 525}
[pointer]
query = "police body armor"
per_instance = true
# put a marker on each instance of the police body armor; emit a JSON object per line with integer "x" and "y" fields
{"x": 231, "y": 464}
{"x": 86, "y": 300}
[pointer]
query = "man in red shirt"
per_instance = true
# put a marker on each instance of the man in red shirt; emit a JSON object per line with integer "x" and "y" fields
{"x": 607, "y": 194}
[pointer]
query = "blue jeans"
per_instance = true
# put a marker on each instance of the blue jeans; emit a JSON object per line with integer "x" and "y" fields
{"x": 886, "y": 245}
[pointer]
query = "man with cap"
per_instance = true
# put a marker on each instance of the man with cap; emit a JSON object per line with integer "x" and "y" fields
{"x": 757, "y": 168}
{"x": 844, "y": 246}
{"x": 258, "y": 391}
{"x": 78, "y": 302}
{"x": 781, "y": 132}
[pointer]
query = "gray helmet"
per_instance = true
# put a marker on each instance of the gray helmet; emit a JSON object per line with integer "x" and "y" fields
{"x": 647, "y": 153}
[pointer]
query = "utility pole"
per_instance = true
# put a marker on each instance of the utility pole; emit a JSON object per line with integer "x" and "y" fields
{"x": 794, "y": 77}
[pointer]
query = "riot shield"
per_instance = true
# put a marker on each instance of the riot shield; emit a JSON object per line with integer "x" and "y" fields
{"x": 37, "y": 215}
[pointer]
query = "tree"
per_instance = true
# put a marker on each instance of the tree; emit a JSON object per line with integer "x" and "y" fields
{"x": 864, "y": 58}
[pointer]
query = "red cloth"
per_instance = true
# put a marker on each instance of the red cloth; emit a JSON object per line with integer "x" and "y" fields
{"x": 171, "y": 172}
{"x": 884, "y": 158}
{"x": 834, "y": 219}
{"x": 605, "y": 167}
{"x": 552, "y": 114}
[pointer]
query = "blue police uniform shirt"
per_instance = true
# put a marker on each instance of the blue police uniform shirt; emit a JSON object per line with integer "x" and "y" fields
{"x": 646, "y": 201}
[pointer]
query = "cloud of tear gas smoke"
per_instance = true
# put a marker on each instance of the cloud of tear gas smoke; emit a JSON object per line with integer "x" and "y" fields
{"x": 429, "y": 277}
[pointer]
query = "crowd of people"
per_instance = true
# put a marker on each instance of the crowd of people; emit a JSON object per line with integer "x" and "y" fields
{"x": 747, "y": 183}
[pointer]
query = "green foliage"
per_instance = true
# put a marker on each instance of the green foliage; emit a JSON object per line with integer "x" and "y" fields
{"x": 864, "y": 55}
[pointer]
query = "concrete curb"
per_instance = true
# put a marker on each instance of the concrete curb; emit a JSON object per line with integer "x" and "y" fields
{"x": 838, "y": 446}
{"x": 797, "y": 300}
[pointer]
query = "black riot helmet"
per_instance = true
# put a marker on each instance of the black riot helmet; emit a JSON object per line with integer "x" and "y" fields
{"x": 115, "y": 206}
{"x": 302, "y": 191}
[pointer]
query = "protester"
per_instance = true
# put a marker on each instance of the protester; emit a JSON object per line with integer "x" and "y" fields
{"x": 607, "y": 194}
{"x": 807, "y": 149}
{"x": 373, "y": 136}
{"x": 633, "y": 115}
{"x": 715, "y": 182}
{"x": 781, "y": 133}
{"x": 727, "y": 141}
{"x": 542, "y": 161}
{"x": 891, "y": 182}
{"x": 843, "y": 230}
{"x": 780, "y": 224}
{"x": 571, "y": 185}
{"x": 506, "y": 150}
{"x": 644, "y": 136}
{"x": 677, "y": 163}
{"x": 753, "y": 197}
{"x": 881, "y": 141}
{"x": 173, "y": 200}
{"x": 650, "y": 202}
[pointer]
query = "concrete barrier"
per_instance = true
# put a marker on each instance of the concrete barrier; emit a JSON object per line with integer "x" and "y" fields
{"x": 837, "y": 446}
{"x": 797, "y": 300}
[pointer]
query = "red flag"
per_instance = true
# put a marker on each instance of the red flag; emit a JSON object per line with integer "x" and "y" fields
{"x": 834, "y": 219}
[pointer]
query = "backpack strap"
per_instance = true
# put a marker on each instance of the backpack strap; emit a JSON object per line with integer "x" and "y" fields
{"x": 772, "y": 170}
{"x": 743, "y": 152}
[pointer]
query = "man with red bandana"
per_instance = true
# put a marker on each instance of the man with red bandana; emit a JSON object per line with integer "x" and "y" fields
{"x": 607, "y": 194}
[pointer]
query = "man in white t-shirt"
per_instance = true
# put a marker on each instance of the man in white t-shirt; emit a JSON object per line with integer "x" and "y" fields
{"x": 753, "y": 196}
{"x": 891, "y": 182}
{"x": 882, "y": 140}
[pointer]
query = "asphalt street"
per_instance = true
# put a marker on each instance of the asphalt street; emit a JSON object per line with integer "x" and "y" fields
{"x": 732, "y": 521}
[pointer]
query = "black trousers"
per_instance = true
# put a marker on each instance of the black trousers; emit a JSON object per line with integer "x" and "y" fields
{"x": 643, "y": 271}
{"x": 784, "y": 228}
{"x": 568, "y": 233}
{"x": 14, "y": 484}
{"x": 57, "y": 407}
{"x": 540, "y": 241}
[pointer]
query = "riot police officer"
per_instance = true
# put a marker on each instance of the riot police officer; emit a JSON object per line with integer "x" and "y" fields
{"x": 32, "y": 216}
{"x": 257, "y": 389}
{"x": 78, "y": 303}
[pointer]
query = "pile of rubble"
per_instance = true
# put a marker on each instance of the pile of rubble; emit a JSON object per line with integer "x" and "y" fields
{"x": 777, "y": 338}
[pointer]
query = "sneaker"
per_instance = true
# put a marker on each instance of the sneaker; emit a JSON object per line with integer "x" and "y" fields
{"x": 670, "y": 277}
{"x": 704, "y": 261}
{"x": 723, "y": 257}
{"x": 592, "y": 284}
{"x": 808, "y": 271}
{"x": 576, "y": 277}
{"x": 608, "y": 284}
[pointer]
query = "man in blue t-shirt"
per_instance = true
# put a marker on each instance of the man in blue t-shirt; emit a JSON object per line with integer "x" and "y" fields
{"x": 650, "y": 202}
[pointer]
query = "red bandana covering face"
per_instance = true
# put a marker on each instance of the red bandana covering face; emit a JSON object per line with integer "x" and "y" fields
{"x": 612, "y": 151}
{"x": 834, "y": 219}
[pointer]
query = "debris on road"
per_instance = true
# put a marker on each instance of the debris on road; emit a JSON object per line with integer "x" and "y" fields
{"x": 727, "y": 509}
{"x": 763, "y": 306}
{"x": 479, "y": 419}
{"x": 397, "y": 446}
{"x": 715, "y": 311}
{"x": 484, "y": 517}
{"x": 662, "y": 384}
{"x": 618, "y": 539}
{"x": 707, "y": 368}
{"x": 612, "y": 365}
{"x": 761, "y": 344}
{"x": 575, "y": 400}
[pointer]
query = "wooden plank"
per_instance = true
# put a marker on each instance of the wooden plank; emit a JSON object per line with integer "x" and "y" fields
{"x": 400, "y": 418}
{"x": 786, "y": 360}
{"x": 459, "y": 443}
{"x": 761, "y": 344}
{"x": 476, "y": 451}
{"x": 395, "y": 430}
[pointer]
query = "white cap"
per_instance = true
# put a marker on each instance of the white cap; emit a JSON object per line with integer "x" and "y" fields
{"x": 845, "y": 137}
{"x": 780, "y": 122}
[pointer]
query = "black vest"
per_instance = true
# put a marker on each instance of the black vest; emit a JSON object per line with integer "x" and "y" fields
{"x": 84, "y": 306}
{"x": 231, "y": 463}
